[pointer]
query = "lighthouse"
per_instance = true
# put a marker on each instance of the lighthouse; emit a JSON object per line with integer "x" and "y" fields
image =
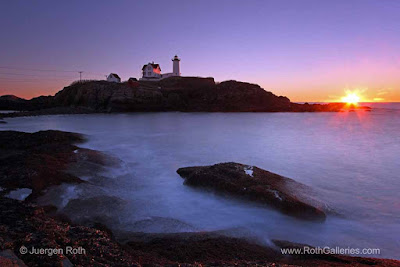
{"x": 152, "y": 71}
{"x": 175, "y": 67}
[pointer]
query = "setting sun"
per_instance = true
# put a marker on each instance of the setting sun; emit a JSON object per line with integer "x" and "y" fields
{"x": 351, "y": 98}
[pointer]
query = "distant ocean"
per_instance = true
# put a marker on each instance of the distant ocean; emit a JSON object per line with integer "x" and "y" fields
{"x": 382, "y": 105}
{"x": 375, "y": 105}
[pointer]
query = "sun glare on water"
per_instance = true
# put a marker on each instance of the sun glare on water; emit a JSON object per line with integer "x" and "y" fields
{"x": 351, "y": 98}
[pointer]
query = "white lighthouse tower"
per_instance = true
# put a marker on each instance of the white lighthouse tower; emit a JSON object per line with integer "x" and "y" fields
{"x": 175, "y": 68}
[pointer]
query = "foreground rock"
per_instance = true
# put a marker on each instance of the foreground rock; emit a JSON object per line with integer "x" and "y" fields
{"x": 214, "y": 249}
{"x": 101, "y": 209}
{"x": 27, "y": 225}
{"x": 189, "y": 94}
{"x": 252, "y": 183}
{"x": 40, "y": 160}
{"x": 205, "y": 248}
{"x": 36, "y": 160}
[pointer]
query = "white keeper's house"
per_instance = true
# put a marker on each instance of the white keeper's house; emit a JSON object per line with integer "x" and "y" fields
{"x": 152, "y": 71}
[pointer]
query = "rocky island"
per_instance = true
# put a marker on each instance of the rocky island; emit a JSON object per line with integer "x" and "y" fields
{"x": 186, "y": 94}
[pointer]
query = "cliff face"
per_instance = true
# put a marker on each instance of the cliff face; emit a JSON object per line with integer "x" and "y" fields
{"x": 172, "y": 94}
{"x": 226, "y": 96}
{"x": 175, "y": 94}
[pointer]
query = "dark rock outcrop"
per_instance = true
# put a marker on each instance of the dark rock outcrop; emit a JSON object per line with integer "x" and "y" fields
{"x": 207, "y": 248}
{"x": 24, "y": 224}
{"x": 102, "y": 209}
{"x": 252, "y": 183}
{"x": 156, "y": 224}
{"x": 189, "y": 94}
{"x": 27, "y": 225}
{"x": 8, "y": 258}
{"x": 11, "y": 102}
{"x": 178, "y": 94}
{"x": 40, "y": 160}
{"x": 214, "y": 249}
{"x": 30, "y": 226}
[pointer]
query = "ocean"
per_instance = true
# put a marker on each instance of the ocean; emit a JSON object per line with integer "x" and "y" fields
{"x": 349, "y": 159}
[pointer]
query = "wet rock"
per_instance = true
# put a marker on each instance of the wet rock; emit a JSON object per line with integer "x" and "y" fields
{"x": 205, "y": 248}
{"x": 66, "y": 263}
{"x": 157, "y": 224}
{"x": 36, "y": 160}
{"x": 252, "y": 183}
{"x": 8, "y": 258}
{"x": 89, "y": 163}
{"x": 47, "y": 158}
{"x": 19, "y": 194}
{"x": 26, "y": 224}
{"x": 101, "y": 209}
{"x": 84, "y": 155}
{"x": 7, "y": 262}
{"x": 60, "y": 195}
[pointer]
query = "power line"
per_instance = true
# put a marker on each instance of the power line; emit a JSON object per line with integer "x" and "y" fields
{"x": 15, "y": 74}
{"x": 14, "y": 68}
{"x": 95, "y": 73}
{"x": 40, "y": 79}
{"x": 31, "y": 75}
{"x": 28, "y": 81}
{"x": 9, "y": 76}
{"x": 43, "y": 70}
{"x": 36, "y": 80}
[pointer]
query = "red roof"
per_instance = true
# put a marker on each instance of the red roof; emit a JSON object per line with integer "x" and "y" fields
{"x": 155, "y": 66}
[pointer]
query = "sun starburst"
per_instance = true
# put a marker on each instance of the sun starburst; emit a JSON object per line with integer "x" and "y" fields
{"x": 351, "y": 98}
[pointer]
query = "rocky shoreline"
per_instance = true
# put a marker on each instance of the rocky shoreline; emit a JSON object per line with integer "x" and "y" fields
{"x": 37, "y": 161}
{"x": 185, "y": 94}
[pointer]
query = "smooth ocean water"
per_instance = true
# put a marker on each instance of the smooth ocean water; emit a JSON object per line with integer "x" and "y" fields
{"x": 351, "y": 160}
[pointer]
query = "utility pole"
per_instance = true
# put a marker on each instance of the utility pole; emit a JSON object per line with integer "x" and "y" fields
{"x": 80, "y": 75}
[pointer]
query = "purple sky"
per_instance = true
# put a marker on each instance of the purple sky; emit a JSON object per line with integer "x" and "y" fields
{"x": 306, "y": 50}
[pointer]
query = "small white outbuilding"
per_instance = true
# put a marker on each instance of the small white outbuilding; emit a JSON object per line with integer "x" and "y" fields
{"x": 113, "y": 77}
